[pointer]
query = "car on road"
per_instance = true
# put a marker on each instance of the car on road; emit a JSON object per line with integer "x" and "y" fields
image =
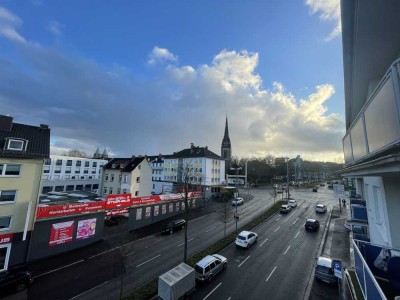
{"x": 285, "y": 209}
{"x": 292, "y": 203}
{"x": 15, "y": 280}
{"x": 320, "y": 208}
{"x": 315, "y": 189}
{"x": 110, "y": 221}
{"x": 279, "y": 191}
{"x": 311, "y": 224}
{"x": 246, "y": 239}
{"x": 324, "y": 270}
{"x": 174, "y": 226}
{"x": 237, "y": 201}
{"x": 210, "y": 266}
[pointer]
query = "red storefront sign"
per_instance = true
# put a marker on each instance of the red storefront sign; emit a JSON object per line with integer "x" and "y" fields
{"x": 61, "y": 233}
{"x": 163, "y": 198}
{"x": 118, "y": 211}
{"x": 119, "y": 200}
{"x": 6, "y": 238}
{"x": 69, "y": 209}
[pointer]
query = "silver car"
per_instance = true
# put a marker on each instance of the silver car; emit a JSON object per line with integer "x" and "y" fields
{"x": 237, "y": 201}
{"x": 210, "y": 266}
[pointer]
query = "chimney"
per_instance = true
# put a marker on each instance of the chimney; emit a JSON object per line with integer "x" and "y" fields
{"x": 6, "y": 122}
{"x": 44, "y": 126}
{"x": 191, "y": 145}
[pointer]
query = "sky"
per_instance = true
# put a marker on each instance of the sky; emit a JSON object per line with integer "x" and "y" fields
{"x": 151, "y": 77}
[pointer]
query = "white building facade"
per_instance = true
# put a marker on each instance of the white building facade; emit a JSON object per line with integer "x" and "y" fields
{"x": 64, "y": 173}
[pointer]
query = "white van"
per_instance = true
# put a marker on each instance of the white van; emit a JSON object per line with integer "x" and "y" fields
{"x": 292, "y": 203}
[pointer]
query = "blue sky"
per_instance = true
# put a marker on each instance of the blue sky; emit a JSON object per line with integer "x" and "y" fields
{"x": 149, "y": 77}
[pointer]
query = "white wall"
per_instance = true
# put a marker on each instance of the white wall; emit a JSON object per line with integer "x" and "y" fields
{"x": 392, "y": 191}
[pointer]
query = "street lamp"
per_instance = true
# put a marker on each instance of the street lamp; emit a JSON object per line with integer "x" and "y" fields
{"x": 236, "y": 215}
{"x": 287, "y": 179}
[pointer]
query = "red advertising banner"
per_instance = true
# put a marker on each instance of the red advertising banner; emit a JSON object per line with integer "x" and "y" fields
{"x": 163, "y": 198}
{"x": 61, "y": 233}
{"x": 69, "y": 209}
{"x": 6, "y": 238}
{"x": 119, "y": 200}
{"x": 86, "y": 229}
{"x": 119, "y": 211}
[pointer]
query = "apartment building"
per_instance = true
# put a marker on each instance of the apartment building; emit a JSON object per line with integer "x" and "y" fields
{"x": 64, "y": 174}
{"x": 371, "y": 145}
{"x": 127, "y": 175}
{"x": 23, "y": 149}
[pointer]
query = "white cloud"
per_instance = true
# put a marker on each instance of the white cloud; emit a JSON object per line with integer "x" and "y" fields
{"x": 55, "y": 27}
{"x": 161, "y": 55}
{"x": 329, "y": 10}
{"x": 8, "y": 24}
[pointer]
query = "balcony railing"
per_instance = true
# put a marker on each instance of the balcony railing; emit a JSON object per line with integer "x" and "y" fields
{"x": 377, "y": 270}
{"x": 376, "y": 127}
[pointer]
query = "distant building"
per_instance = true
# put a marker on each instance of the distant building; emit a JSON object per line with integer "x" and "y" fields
{"x": 127, "y": 175}
{"x": 226, "y": 147}
{"x": 97, "y": 154}
{"x": 23, "y": 149}
{"x": 65, "y": 174}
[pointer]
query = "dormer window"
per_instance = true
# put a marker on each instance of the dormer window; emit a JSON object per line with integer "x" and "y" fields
{"x": 16, "y": 144}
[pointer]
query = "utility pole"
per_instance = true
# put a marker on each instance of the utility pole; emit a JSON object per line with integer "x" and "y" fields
{"x": 236, "y": 213}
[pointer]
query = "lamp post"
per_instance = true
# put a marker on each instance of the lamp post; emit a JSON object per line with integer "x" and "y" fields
{"x": 236, "y": 215}
{"x": 287, "y": 179}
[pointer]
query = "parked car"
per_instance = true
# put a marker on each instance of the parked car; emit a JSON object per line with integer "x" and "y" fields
{"x": 237, "y": 201}
{"x": 285, "y": 209}
{"x": 324, "y": 270}
{"x": 315, "y": 189}
{"x": 210, "y": 266}
{"x": 292, "y": 203}
{"x": 246, "y": 239}
{"x": 311, "y": 224}
{"x": 320, "y": 208}
{"x": 110, "y": 221}
{"x": 15, "y": 280}
{"x": 174, "y": 226}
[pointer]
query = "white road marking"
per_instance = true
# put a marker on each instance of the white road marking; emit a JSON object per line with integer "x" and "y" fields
{"x": 63, "y": 267}
{"x": 297, "y": 235}
{"x": 184, "y": 242}
{"x": 270, "y": 274}
{"x": 295, "y": 221}
{"x": 148, "y": 260}
{"x": 212, "y": 291}
{"x": 278, "y": 218}
{"x": 286, "y": 250}
{"x": 130, "y": 253}
{"x": 211, "y": 228}
{"x": 229, "y": 298}
{"x": 244, "y": 261}
{"x": 263, "y": 242}
{"x": 288, "y": 218}
{"x": 277, "y": 229}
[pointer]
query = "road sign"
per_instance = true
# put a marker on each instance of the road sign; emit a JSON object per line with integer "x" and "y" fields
{"x": 337, "y": 265}
{"x": 338, "y": 189}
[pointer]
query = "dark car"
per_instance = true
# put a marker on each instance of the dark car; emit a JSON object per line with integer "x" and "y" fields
{"x": 312, "y": 224}
{"x": 14, "y": 281}
{"x": 315, "y": 189}
{"x": 110, "y": 221}
{"x": 174, "y": 226}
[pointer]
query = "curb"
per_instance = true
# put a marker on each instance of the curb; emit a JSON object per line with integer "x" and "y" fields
{"x": 321, "y": 247}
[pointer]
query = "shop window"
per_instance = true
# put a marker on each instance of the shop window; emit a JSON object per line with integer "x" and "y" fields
{"x": 5, "y": 223}
{"x": 69, "y": 188}
{"x": 59, "y": 188}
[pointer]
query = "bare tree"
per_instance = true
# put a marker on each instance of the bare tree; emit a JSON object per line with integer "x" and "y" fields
{"x": 75, "y": 153}
{"x": 225, "y": 215}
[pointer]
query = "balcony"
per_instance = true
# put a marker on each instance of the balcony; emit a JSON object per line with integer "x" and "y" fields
{"x": 376, "y": 128}
{"x": 377, "y": 270}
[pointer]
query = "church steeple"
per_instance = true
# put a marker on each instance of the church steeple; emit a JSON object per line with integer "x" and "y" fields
{"x": 226, "y": 149}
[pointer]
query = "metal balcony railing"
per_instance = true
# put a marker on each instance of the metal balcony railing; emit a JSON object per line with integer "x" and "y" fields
{"x": 377, "y": 126}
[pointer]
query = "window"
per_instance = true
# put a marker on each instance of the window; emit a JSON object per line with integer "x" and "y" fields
{"x": 46, "y": 171}
{"x": 57, "y": 171}
{"x": 5, "y": 223}
{"x": 95, "y": 186}
{"x": 94, "y": 164}
{"x": 69, "y": 163}
{"x": 112, "y": 177}
{"x": 67, "y": 171}
{"x": 67, "y": 176}
{"x": 79, "y": 187}
{"x": 125, "y": 178}
{"x": 85, "y": 171}
{"x": 106, "y": 177}
{"x": 119, "y": 191}
{"x": 86, "y": 164}
{"x": 137, "y": 179}
{"x": 88, "y": 187}
{"x": 154, "y": 186}
{"x": 70, "y": 188}
{"x": 47, "y": 161}
{"x": 77, "y": 171}
{"x": 59, "y": 162}
{"x": 78, "y": 163}
{"x": 137, "y": 193}
{"x": 10, "y": 170}
{"x": 15, "y": 145}
{"x": 47, "y": 189}
{"x": 111, "y": 190}
{"x": 124, "y": 191}
{"x": 105, "y": 191}
{"x": 7, "y": 196}
{"x": 59, "y": 188}
{"x": 93, "y": 171}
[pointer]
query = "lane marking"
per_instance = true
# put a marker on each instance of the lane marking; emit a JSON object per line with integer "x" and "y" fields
{"x": 288, "y": 218}
{"x": 229, "y": 298}
{"x": 277, "y": 219}
{"x": 184, "y": 242}
{"x": 277, "y": 229}
{"x": 211, "y": 228}
{"x": 130, "y": 253}
{"x": 296, "y": 221}
{"x": 270, "y": 274}
{"x": 104, "y": 252}
{"x": 297, "y": 235}
{"x": 148, "y": 260}
{"x": 243, "y": 261}
{"x": 63, "y": 267}
{"x": 86, "y": 292}
{"x": 212, "y": 291}
{"x": 286, "y": 250}
{"x": 263, "y": 242}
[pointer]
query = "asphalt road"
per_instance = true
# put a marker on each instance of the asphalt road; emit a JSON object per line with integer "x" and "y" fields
{"x": 280, "y": 264}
